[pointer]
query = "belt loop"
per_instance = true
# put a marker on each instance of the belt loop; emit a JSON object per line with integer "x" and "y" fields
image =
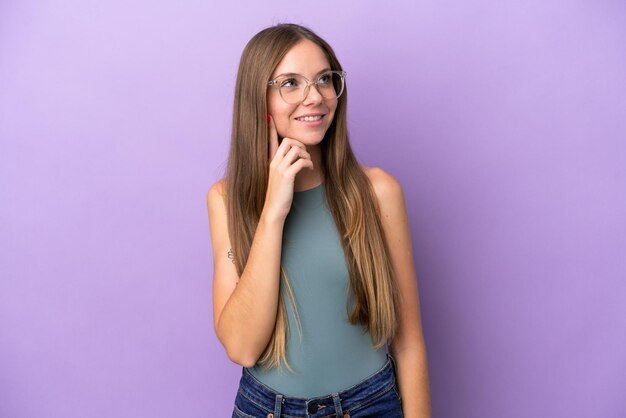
{"x": 337, "y": 402}
{"x": 278, "y": 405}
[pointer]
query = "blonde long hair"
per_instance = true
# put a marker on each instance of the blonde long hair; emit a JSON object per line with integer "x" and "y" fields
{"x": 349, "y": 194}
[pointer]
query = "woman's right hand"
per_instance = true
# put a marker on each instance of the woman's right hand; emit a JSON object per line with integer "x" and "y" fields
{"x": 286, "y": 160}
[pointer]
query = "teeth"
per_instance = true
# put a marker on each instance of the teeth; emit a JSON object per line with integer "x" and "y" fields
{"x": 310, "y": 118}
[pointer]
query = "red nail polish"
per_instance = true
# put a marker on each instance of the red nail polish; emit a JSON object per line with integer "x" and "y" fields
{"x": 268, "y": 117}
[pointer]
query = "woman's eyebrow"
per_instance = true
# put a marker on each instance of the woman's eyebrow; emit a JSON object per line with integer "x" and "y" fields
{"x": 287, "y": 74}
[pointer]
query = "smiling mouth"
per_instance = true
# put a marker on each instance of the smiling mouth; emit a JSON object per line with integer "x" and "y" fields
{"x": 310, "y": 118}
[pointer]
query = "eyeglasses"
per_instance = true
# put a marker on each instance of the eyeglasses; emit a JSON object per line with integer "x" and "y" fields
{"x": 294, "y": 88}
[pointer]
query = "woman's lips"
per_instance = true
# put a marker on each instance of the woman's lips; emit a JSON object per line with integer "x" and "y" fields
{"x": 312, "y": 123}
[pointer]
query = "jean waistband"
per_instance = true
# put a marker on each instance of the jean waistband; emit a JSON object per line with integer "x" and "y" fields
{"x": 381, "y": 381}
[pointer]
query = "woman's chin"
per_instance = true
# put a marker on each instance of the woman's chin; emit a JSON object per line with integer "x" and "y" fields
{"x": 307, "y": 138}
{"x": 313, "y": 140}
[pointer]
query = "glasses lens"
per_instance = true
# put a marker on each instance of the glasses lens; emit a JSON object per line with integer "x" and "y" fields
{"x": 329, "y": 85}
{"x": 293, "y": 88}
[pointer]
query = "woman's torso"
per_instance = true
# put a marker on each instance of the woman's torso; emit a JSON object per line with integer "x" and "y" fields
{"x": 333, "y": 354}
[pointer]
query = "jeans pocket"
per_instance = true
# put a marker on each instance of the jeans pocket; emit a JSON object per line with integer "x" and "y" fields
{"x": 247, "y": 408}
{"x": 238, "y": 413}
{"x": 384, "y": 403}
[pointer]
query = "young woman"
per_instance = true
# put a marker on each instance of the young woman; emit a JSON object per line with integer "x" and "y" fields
{"x": 314, "y": 287}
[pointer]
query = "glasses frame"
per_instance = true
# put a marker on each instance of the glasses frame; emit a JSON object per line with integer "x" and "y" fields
{"x": 341, "y": 74}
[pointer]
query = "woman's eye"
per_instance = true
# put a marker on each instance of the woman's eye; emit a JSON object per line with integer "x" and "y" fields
{"x": 290, "y": 82}
{"x": 325, "y": 79}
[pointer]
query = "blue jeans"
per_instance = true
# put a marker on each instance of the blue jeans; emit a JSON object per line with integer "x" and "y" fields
{"x": 375, "y": 396}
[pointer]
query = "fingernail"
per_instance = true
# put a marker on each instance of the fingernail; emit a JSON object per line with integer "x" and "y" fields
{"x": 268, "y": 117}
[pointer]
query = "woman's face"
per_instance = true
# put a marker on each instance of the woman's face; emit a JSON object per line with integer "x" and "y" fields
{"x": 307, "y": 59}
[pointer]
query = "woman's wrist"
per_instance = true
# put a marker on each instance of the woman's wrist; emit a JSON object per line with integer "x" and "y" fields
{"x": 271, "y": 219}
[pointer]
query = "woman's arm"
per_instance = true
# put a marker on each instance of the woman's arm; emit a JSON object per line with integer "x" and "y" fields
{"x": 244, "y": 312}
{"x": 407, "y": 348}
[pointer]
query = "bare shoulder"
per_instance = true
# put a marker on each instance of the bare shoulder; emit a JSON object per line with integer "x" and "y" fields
{"x": 217, "y": 192}
{"x": 216, "y": 207}
{"x": 219, "y": 187}
{"x": 387, "y": 188}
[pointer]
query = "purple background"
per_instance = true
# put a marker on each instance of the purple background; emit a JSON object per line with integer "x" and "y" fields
{"x": 504, "y": 121}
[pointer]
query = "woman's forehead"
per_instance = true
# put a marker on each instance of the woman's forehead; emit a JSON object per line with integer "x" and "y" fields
{"x": 305, "y": 58}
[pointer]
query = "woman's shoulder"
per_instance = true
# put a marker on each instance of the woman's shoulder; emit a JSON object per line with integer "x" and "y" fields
{"x": 219, "y": 186}
{"x": 385, "y": 185}
{"x": 217, "y": 192}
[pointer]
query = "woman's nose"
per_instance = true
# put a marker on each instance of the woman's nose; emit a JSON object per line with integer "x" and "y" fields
{"x": 312, "y": 95}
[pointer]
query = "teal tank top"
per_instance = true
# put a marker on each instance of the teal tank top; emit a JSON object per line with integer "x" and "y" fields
{"x": 333, "y": 354}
